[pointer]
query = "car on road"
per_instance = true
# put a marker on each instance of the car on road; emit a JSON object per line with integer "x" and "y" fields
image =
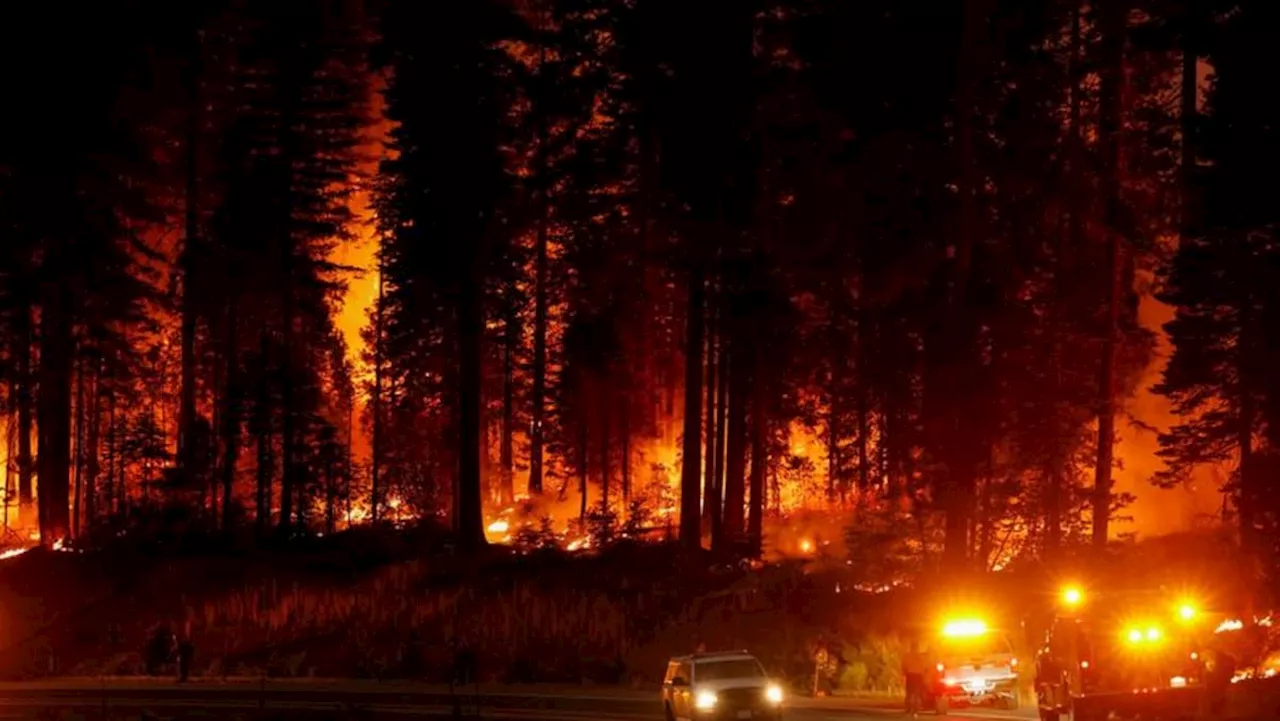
{"x": 716, "y": 686}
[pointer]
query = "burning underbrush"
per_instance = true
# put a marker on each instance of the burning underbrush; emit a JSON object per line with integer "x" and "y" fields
{"x": 554, "y": 522}
{"x": 610, "y": 616}
{"x": 533, "y": 608}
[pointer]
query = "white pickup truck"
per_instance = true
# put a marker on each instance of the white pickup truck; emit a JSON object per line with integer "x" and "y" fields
{"x": 725, "y": 685}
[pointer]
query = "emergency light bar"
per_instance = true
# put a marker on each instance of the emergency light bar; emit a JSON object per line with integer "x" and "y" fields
{"x": 964, "y": 629}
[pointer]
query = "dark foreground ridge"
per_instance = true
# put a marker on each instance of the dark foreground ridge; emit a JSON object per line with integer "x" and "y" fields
{"x": 246, "y": 698}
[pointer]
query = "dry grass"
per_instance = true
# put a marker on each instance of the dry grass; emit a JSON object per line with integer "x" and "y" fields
{"x": 545, "y": 620}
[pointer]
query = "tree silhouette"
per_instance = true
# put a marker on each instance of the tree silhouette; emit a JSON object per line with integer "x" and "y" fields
{"x": 441, "y": 209}
{"x": 1220, "y": 283}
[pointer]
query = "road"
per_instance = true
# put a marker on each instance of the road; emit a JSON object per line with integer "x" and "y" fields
{"x": 367, "y": 701}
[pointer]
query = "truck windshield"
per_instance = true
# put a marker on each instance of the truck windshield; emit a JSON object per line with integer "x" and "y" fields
{"x": 733, "y": 668}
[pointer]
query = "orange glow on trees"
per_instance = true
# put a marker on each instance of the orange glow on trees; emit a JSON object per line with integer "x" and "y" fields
{"x": 617, "y": 228}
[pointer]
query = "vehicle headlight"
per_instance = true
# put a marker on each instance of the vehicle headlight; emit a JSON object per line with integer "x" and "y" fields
{"x": 705, "y": 700}
{"x": 773, "y": 693}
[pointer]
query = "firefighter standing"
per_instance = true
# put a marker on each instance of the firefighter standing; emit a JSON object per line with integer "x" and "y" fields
{"x": 914, "y": 667}
{"x": 821, "y": 658}
{"x": 1218, "y": 680}
{"x": 186, "y": 655}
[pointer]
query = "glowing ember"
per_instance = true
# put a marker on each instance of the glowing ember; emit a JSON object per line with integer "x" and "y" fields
{"x": 806, "y": 546}
{"x": 13, "y": 552}
{"x": 1230, "y": 625}
{"x": 499, "y": 527}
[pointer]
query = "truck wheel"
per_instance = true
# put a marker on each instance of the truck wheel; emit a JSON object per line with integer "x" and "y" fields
{"x": 941, "y": 705}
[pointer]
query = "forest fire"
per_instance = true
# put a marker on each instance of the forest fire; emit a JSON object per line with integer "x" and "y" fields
{"x": 544, "y": 342}
{"x": 499, "y": 531}
{"x": 630, "y": 347}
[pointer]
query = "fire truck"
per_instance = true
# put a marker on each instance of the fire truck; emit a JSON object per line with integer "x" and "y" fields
{"x": 1122, "y": 655}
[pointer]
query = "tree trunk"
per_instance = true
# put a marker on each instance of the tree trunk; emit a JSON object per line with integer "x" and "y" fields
{"x": 604, "y": 453}
{"x": 1188, "y": 118}
{"x": 78, "y": 458}
{"x": 10, "y": 448}
{"x": 263, "y": 428}
{"x": 584, "y": 461}
{"x": 375, "y": 461}
{"x": 709, "y": 479}
{"x": 1247, "y": 500}
{"x": 91, "y": 456}
{"x": 330, "y": 498}
{"x": 299, "y": 525}
{"x": 1053, "y": 513}
{"x": 985, "y": 527}
{"x": 896, "y": 486}
{"x": 836, "y": 350}
{"x": 112, "y": 452}
{"x": 625, "y": 431}
{"x": 958, "y": 331}
{"x": 759, "y": 456}
{"x": 22, "y": 347}
{"x": 1072, "y": 240}
{"x": 230, "y": 415}
{"x": 736, "y": 447}
{"x": 122, "y": 490}
{"x": 288, "y": 417}
{"x": 716, "y": 501}
{"x": 511, "y": 338}
{"x": 1112, "y": 21}
{"x": 833, "y": 436}
{"x": 864, "y": 401}
{"x": 467, "y": 504}
{"x": 54, "y": 414}
{"x": 289, "y": 288}
{"x": 187, "y": 402}
{"x": 1249, "y": 495}
{"x": 487, "y": 424}
{"x": 691, "y": 462}
{"x": 536, "y": 429}
{"x": 348, "y": 467}
{"x": 775, "y": 489}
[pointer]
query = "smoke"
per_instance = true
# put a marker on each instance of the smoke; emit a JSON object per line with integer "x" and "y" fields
{"x": 1158, "y": 511}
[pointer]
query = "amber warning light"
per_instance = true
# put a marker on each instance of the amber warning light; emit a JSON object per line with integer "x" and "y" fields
{"x": 964, "y": 628}
{"x": 1072, "y": 596}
